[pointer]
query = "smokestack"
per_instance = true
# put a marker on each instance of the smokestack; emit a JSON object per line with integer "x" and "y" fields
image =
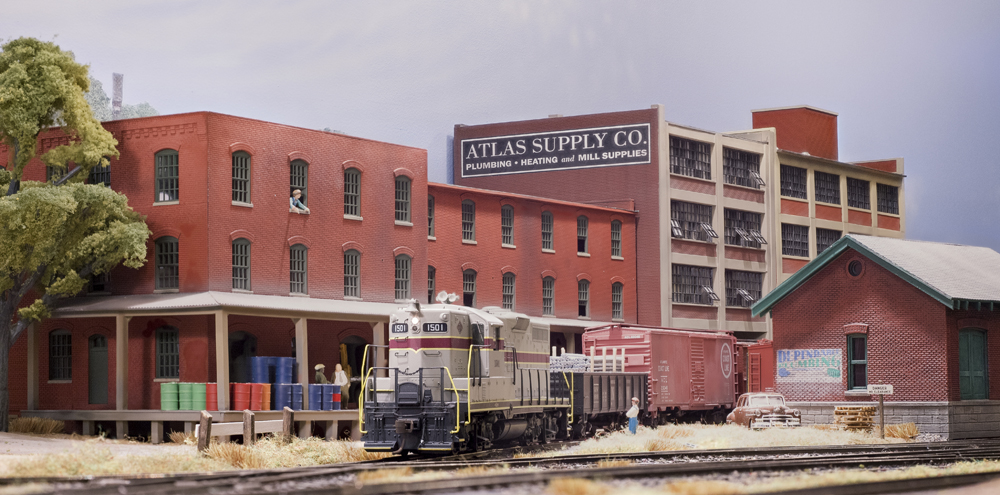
{"x": 116, "y": 100}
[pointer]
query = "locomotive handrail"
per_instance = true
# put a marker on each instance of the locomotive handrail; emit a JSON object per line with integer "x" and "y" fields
{"x": 458, "y": 398}
{"x": 570, "y": 382}
{"x": 468, "y": 366}
{"x": 364, "y": 385}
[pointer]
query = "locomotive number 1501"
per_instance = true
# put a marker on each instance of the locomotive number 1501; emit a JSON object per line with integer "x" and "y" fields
{"x": 435, "y": 327}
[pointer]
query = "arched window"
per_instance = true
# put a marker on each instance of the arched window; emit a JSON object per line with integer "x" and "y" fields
{"x": 352, "y": 273}
{"x": 167, "y": 263}
{"x": 581, "y": 233}
{"x": 616, "y": 301}
{"x": 402, "y": 199}
{"x": 241, "y": 177}
{"x": 167, "y": 176}
{"x": 60, "y": 355}
{"x": 616, "y": 239}
{"x": 431, "y": 273}
{"x": 583, "y": 290}
{"x": 468, "y": 220}
{"x": 241, "y": 264}
{"x": 508, "y": 290}
{"x": 402, "y": 277}
{"x": 299, "y": 179}
{"x": 168, "y": 353}
{"x": 469, "y": 288}
{"x": 298, "y": 269}
{"x": 548, "y": 296}
{"x": 507, "y": 225}
{"x": 547, "y": 230}
{"x": 352, "y": 192}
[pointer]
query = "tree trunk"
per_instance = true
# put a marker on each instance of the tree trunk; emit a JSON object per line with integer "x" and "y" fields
{"x": 5, "y": 346}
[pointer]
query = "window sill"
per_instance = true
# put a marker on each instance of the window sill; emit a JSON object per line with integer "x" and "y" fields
{"x": 165, "y": 291}
{"x": 549, "y": 251}
{"x": 466, "y": 241}
{"x": 431, "y": 238}
{"x": 508, "y": 246}
{"x": 297, "y": 294}
{"x": 352, "y": 298}
{"x": 694, "y": 305}
{"x": 298, "y": 211}
{"x": 242, "y": 291}
{"x": 793, "y": 257}
{"x": 762, "y": 248}
{"x": 56, "y": 382}
{"x": 741, "y": 186}
{"x": 100, "y": 293}
{"x": 240, "y": 203}
{"x": 166, "y": 203}
{"x": 618, "y": 320}
{"x": 800, "y": 200}
{"x": 831, "y": 205}
{"x": 699, "y": 241}
{"x": 548, "y": 316}
{"x": 404, "y": 224}
{"x": 675, "y": 174}
{"x": 863, "y": 210}
{"x": 166, "y": 380}
{"x": 895, "y": 215}
{"x": 583, "y": 255}
{"x": 857, "y": 393}
{"x": 353, "y": 217}
{"x": 741, "y": 307}
{"x": 583, "y": 317}
{"x": 617, "y": 258}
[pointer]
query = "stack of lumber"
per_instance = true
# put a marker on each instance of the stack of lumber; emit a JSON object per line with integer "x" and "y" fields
{"x": 855, "y": 417}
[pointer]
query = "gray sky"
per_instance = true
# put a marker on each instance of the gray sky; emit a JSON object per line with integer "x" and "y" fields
{"x": 912, "y": 79}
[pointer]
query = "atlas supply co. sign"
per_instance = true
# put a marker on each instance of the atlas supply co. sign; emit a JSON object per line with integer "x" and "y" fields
{"x": 809, "y": 365}
{"x": 562, "y": 150}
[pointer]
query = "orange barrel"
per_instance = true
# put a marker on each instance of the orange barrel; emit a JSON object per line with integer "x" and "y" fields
{"x": 256, "y": 392}
{"x": 265, "y": 397}
{"x": 211, "y": 396}
{"x": 241, "y": 396}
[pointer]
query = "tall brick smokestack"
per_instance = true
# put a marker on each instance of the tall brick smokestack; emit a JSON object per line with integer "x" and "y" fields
{"x": 116, "y": 100}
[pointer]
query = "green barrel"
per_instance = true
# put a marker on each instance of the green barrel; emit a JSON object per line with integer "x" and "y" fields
{"x": 185, "y": 399}
{"x": 198, "y": 396}
{"x": 168, "y": 396}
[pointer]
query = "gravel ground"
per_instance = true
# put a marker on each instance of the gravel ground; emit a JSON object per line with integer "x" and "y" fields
{"x": 19, "y": 444}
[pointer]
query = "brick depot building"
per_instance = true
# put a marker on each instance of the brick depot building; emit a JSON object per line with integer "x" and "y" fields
{"x": 233, "y": 273}
{"x": 920, "y": 316}
{"x": 721, "y": 218}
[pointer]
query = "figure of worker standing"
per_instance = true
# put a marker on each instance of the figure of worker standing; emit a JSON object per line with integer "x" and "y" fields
{"x": 320, "y": 374}
{"x": 340, "y": 379}
{"x": 633, "y": 416}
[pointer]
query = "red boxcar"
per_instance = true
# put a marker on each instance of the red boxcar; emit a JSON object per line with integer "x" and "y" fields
{"x": 691, "y": 373}
{"x": 754, "y": 366}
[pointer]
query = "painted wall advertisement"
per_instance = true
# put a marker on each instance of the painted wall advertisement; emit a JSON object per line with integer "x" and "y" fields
{"x": 578, "y": 148}
{"x": 809, "y": 365}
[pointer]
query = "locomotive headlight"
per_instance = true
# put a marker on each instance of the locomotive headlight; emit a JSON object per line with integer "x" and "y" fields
{"x": 444, "y": 316}
{"x": 416, "y": 320}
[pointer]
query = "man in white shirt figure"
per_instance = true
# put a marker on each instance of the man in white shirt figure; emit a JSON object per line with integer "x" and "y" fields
{"x": 633, "y": 416}
{"x": 340, "y": 379}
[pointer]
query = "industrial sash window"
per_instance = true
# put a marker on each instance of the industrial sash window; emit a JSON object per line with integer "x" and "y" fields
{"x": 430, "y": 216}
{"x": 402, "y": 277}
{"x": 508, "y": 290}
{"x": 241, "y": 264}
{"x": 616, "y": 239}
{"x": 743, "y": 288}
{"x": 691, "y": 221}
{"x": 167, "y": 173}
{"x": 167, "y": 263}
{"x": 857, "y": 194}
{"x": 581, "y": 234}
{"x": 795, "y": 240}
{"x": 825, "y": 238}
{"x": 583, "y": 291}
{"x": 468, "y": 220}
{"x": 616, "y": 300}
{"x": 742, "y": 228}
{"x": 888, "y": 198}
{"x": 431, "y": 271}
{"x": 298, "y": 269}
{"x": 241, "y": 177}
{"x": 548, "y": 291}
{"x": 857, "y": 361}
{"x": 168, "y": 353}
{"x": 793, "y": 182}
{"x": 402, "y": 199}
{"x": 352, "y": 275}
{"x": 299, "y": 179}
{"x": 547, "y": 230}
{"x": 60, "y": 355}
{"x": 352, "y": 192}
{"x": 973, "y": 380}
{"x": 827, "y": 188}
{"x": 100, "y": 175}
{"x": 691, "y": 158}
{"x": 469, "y": 288}
{"x": 741, "y": 168}
{"x": 692, "y": 284}
{"x": 507, "y": 225}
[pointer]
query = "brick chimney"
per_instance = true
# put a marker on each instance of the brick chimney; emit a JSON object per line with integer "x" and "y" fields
{"x": 802, "y": 129}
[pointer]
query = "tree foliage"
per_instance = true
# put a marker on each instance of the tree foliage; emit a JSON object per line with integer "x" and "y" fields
{"x": 55, "y": 234}
{"x": 100, "y": 104}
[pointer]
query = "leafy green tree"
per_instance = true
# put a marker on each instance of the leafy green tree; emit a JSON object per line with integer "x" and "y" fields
{"x": 53, "y": 235}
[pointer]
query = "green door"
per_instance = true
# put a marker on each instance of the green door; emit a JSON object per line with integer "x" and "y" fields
{"x": 97, "y": 373}
{"x": 972, "y": 377}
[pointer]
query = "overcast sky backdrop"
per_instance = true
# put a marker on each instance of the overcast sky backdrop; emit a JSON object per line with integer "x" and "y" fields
{"x": 911, "y": 79}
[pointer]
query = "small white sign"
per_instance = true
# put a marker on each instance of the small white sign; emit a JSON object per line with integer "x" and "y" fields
{"x": 880, "y": 389}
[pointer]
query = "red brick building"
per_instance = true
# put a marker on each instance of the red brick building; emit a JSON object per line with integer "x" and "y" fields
{"x": 235, "y": 271}
{"x": 919, "y": 316}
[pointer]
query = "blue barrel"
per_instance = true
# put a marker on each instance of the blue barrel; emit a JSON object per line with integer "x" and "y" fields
{"x": 315, "y": 397}
{"x": 328, "y": 397}
{"x": 260, "y": 369}
{"x": 283, "y": 370}
{"x": 281, "y": 395}
{"x": 296, "y": 396}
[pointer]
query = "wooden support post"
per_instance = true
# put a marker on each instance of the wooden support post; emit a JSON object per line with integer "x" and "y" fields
{"x": 249, "y": 436}
{"x": 156, "y": 432}
{"x": 188, "y": 427}
{"x": 32, "y": 336}
{"x": 287, "y": 424}
{"x": 881, "y": 415}
{"x": 121, "y": 429}
{"x": 88, "y": 428}
{"x": 305, "y": 429}
{"x": 302, "y": 356}
{"x": 331, "y": 429}
{"x": 121, "y": 363}
{"x": 355, "y": 431}
{"x": 204, "y": 431}
{"x": 222, "y": 360}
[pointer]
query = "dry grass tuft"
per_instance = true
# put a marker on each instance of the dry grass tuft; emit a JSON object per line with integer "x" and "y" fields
{"x": 91, "y": 459}
{"x": 237, "y": 456}
{"x": 183, "y": 438}
{"x": 905, "y": 431}
{"x": 576, "y": 486}
{"x": 702, "y": 488}
{"x": 673, "y": 431}
{"x": 660, "y": 445}
{"x": 376, "y": 476}
{"x": 36, "y": 426}
{"x": 614, "y": 463}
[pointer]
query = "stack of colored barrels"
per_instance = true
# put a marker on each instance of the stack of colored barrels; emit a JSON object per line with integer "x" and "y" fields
{"x": 324, "y": 397}
{"x": 186, "y": 396}
{"x": 274, "y": 378}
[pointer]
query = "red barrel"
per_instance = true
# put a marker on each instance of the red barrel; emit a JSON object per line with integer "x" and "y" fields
{"x": 241, "y": 396}
{"x": 265, "y": 397}
{"x": 256, "y": 396}
{"x": 211, "y": 396}
{"x": 336, "y": 397}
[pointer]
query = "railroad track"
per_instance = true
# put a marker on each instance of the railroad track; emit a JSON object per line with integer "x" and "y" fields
{"x": 344, "y": 479}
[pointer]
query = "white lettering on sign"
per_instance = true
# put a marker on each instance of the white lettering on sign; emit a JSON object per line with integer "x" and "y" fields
{"x": 727, "y": 360}
{"x": 880, "y": 389}
{"x": 631, "y": 336}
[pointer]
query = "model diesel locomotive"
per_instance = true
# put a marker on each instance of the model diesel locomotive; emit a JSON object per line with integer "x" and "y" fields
{"x": 463, "y": 379}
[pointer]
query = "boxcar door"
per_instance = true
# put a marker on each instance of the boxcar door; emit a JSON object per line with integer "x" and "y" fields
{"x": 97, "y": 369}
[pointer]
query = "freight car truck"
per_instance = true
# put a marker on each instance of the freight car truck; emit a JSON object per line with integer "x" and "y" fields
{"x": 690, "y": 372}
